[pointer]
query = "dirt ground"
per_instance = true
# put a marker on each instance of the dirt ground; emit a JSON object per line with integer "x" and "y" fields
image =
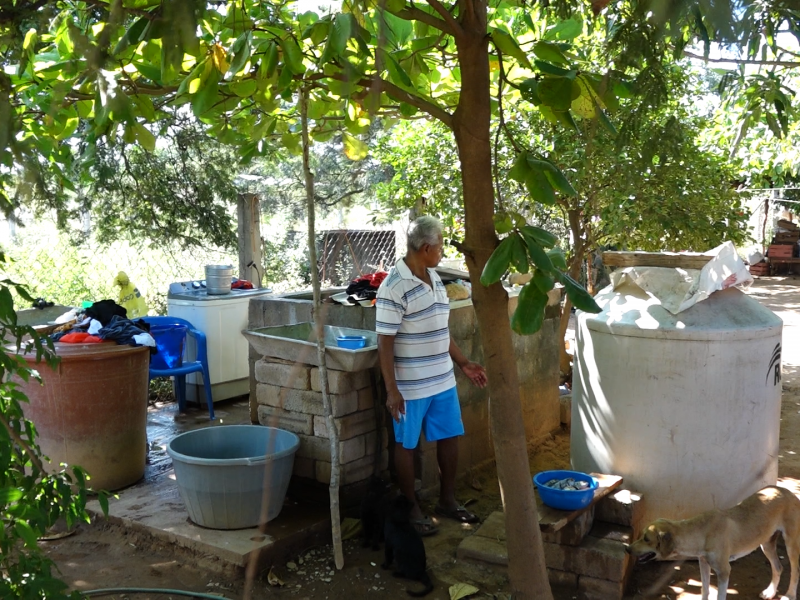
{"x": 104, "y": 556}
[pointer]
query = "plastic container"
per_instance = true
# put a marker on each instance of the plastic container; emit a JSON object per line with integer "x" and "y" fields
{"x": 686, "y": 407}
{"x": 565, "y": 499}
{"x": 218, "y": 279}
{"x": 233, "y": 476}
{"x": 351, "y": 342}
{"x": 170, "y": 340}
{"x": 92, "y": 411}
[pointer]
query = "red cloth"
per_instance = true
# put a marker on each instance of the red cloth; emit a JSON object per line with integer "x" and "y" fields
{"x": 80, "y": 338}
{"x": 375, "y": 279}
{"x": 241, "y": 284}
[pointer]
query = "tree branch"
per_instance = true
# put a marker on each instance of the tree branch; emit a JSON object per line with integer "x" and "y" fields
{"x": 34, "y": 458}
{"x": 447, "y": 16}
{"x": 413, "y": 13}
{"x": 403, "y": 96}
{"x": 744, "y": 61}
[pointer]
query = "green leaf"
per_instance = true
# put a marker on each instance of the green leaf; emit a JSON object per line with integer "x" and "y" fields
{"x": 26, "y": 533}
{"x": 538, "y": 255}
{"x": 502, "y": 223}
{"x": 554, "y": 175}
{"x": 244, "y": 88}
{"x": 498, "y": 262}
{"x": 354, "y": 148}
{"x": 519, "y": 255}
{"x": 549, "y": 52}
{"x": 207, "y": 95}
{"x": 579, "y": 297}
{"x": 529, "y": 90}
{"x": 146, "y": 139}
{"x": 102, "y": 498}
{"x": 565, "y": 30}
{"x": 9, "y": 495}
{"x": 549, "y": 69}
{"x": 539, "y": 187}
{"x": 529, "y": 315}
{"x": 242, "y": 53}
{"x": 149, "y": 71}
{"x": 556, "y": 92}
{"x": 521, "y": 169}
{"x": 292, "y": 56}
{"x": 557, "y": 258}
{"x": 605, "y": 121}
{"x": 396, "y": 73}
{"x": 133, "y": 35}
{"x": 505, "y": 42}
{"x": 541, "y": 236}
{"x": 543, "y": 281}
{"x": 341, "y": 32}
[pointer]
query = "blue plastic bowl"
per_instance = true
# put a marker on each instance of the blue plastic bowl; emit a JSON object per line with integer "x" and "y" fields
{"x": 565, "y": 499}
{"x": 351, "y": 342}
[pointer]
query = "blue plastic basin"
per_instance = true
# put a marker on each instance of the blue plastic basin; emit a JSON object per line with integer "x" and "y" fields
{"x": 565, "y": 499}
{"x": 233, "y": 476}
{"x": 351, "y": 342}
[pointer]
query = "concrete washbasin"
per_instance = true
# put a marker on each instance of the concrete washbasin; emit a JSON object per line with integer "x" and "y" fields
{"x": 298, "y": 343}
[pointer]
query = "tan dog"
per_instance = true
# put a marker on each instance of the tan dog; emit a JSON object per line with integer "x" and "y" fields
{"x": 717, "y": 537}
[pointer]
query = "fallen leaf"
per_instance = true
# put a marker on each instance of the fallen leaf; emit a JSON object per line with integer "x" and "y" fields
{"x": 476, "y": 485}
{"x": 462, "y": 590}
{"x": 350, "y": 528}
{"x": 274, "y": 579}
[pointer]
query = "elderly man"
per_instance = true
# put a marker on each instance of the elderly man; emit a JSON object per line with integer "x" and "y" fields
{"x": 416, "y": 357}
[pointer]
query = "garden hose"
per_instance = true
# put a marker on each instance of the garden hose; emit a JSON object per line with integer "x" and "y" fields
{"x": 135, "y": 590}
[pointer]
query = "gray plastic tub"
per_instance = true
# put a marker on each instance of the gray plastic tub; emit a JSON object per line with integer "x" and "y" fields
{"x": 226, "y": 473}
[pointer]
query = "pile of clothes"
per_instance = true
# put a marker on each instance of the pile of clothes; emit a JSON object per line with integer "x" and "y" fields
{"x": 365, "y": 287}
{"x": 105, "y": 320}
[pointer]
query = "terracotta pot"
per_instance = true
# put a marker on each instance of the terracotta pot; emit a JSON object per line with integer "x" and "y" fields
{"x": 92, "y": 411}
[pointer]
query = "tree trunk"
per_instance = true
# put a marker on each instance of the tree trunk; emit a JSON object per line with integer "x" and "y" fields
{"x": 249, "y": 229}
{"x": 333, "y": 434}
{"x": 526, "y": 564}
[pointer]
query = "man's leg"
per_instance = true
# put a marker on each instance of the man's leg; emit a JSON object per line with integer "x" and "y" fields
{"x": 447, "y": 456}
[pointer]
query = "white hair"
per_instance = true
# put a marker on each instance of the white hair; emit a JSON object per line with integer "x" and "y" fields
{"x": 424, "y": 230}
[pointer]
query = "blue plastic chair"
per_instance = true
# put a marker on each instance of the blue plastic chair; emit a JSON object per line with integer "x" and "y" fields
{"x": 170, "y": 336}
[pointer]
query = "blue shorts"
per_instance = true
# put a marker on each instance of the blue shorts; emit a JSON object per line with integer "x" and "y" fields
{"x": 439, "y": 414}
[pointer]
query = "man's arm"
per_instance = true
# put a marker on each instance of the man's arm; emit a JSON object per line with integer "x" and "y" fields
{"x": 474, "y": 372}
{"x": 394, "y": 400}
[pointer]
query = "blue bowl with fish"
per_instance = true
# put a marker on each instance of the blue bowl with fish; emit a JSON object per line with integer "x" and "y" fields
{"x": 565, "y": 490}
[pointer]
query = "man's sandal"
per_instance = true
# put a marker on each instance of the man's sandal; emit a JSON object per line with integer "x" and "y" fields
{"x": 459, "y": 513}
{"x": 425, "y": 526}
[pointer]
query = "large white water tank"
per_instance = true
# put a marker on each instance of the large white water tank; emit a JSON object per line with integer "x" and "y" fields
{"x": 685, "y": 407}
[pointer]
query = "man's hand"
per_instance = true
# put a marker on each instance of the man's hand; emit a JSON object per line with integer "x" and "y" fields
{"x": 476, "y": 374}
{"x": 395, "y": 404}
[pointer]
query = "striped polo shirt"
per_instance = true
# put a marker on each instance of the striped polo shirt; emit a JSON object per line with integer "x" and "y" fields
{"x": 418, "y": 318}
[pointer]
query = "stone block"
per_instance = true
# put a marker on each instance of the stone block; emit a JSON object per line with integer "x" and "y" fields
{"x": 572, "y": 533}
{"x": 483, "y": 549}
{"x": 283, "y": 374}
{"x": 320, "y": 449}
{"x": 562, "y": 579}
{"x": 610, "y": 531}
{"x": 371, "y": 441}
{"x": 304, "y": 467}
{"x": 366, "y": 399}
{"x": 349, "y": 426}
{"x": 594, "y": 588}
{"x": 284, "y": 419}
{"x": 494, "y": 526}
{"x": 341, "y": 382}
{"x": 305, "y": 401}
{"x": 599, "y": 558}
{"x": 353, "y": 472}
{"x": 623, "y": 507}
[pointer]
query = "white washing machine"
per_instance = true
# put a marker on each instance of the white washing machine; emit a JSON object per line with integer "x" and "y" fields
{"x": 222, "y": 319}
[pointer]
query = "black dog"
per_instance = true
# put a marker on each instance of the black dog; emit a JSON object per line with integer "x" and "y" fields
{"x": 404, "y": 546}
{"x": 373, "y": 512}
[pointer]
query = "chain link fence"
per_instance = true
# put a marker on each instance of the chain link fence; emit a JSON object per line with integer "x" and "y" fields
{"x": 53, "y": 268}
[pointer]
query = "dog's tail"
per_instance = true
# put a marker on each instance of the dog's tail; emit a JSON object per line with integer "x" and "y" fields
{"x": 426, "y": 581}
